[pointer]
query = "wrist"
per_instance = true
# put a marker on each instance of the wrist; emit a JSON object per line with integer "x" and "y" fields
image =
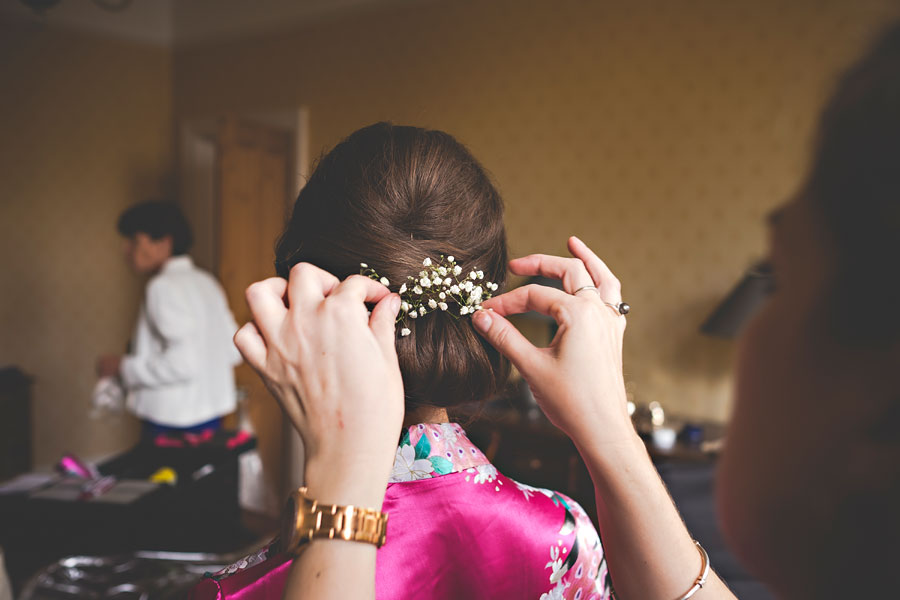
{"x": 346, "y": 483}
{"x": 611, "y": 456}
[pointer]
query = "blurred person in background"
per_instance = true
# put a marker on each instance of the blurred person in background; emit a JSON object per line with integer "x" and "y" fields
{"x": 179, "y": 374}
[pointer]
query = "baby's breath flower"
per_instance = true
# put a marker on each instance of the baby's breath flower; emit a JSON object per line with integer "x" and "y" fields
{"x": 436, "y": 287}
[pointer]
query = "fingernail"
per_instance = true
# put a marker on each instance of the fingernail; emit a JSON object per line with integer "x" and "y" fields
{"x": 395, "y": 304}
{"x": 482, "y": 321}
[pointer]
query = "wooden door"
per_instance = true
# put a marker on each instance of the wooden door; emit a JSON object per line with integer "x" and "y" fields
{"x": 252, "y": 200}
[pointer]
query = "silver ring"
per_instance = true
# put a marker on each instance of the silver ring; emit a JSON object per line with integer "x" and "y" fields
{"x": 623, "y": 308}
{"x": 586, "y": 287}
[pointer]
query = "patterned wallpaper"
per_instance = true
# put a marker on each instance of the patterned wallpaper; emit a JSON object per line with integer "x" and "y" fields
{"x": 660, "y": 132}
{"x": 86, "y": 131}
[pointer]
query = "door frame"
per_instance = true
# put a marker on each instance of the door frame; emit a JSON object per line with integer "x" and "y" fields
{"x": 197, "y": 197}
{"x": 196, "y": 171}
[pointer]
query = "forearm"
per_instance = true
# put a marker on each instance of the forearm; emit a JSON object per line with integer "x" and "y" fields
{"x": 154, "y": 370}
{"x": 332, "y": 569}
{"x": 337, "y": 568}
{"x": 650, "y": 553}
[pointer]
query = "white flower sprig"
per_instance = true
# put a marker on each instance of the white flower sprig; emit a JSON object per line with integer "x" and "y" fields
{"x": 437, "y": 286}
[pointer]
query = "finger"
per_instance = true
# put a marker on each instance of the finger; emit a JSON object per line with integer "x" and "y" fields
{"x": 508, "y": 341}
{"x": 541, "y": 298}
{"x": 308, "y": 285}
{"x": 570, "y": 271}
{"x": 383, "y": 324}
{"x": 266, "y": 301}
{"x": 361, "y": 289}
{"x": 606, "y": 282}
{"x": 252, "y": 346}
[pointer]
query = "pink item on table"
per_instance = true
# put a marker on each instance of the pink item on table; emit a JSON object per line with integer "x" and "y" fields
{"x": 457, "y": 529}
{"x": 72, "y": 465}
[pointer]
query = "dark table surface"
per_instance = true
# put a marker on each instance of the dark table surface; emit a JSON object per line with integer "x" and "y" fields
{"x": 200, "y": 513}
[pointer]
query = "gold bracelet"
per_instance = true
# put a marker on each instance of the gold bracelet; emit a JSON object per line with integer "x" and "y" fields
{"x": 306, "y": 519}
{"x": 704, "y": 573}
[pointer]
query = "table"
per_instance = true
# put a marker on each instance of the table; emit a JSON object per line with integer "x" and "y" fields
{"x": 199, "y": 513}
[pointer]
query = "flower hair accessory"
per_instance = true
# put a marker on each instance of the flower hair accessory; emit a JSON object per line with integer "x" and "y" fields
{"x": 439, "y": 285}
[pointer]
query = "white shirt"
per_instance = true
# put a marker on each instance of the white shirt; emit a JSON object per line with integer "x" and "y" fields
{"x": 181, "y": 370}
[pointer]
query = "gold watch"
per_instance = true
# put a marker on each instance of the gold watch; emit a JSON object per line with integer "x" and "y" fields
{"x": 306, "y": 519}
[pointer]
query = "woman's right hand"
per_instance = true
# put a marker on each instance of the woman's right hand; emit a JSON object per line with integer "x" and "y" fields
{"x": 577, "y": 380}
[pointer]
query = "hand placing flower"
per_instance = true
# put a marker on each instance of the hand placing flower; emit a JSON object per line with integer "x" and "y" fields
{"x": 333, "y": 368}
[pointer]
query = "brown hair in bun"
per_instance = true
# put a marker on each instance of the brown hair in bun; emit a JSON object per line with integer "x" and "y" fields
{"x": 390, "y": 196}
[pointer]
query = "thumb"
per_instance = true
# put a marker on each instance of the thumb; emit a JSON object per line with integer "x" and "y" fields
{"x": 508, "y": 341}
{"x": 383, "y": 323}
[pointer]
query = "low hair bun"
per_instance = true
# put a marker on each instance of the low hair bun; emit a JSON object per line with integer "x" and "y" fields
{"x": 391, "y": 196}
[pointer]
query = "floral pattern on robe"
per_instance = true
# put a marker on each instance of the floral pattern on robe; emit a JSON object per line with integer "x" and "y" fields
{"x": 457, "y": 529}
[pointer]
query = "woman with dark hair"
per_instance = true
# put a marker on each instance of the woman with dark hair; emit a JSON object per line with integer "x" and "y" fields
{"x": 414, "y": 209}
{"x": 810, "y": 479}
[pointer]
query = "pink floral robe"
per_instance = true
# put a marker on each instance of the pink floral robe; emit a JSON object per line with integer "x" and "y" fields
{"x": 456, "y": 529}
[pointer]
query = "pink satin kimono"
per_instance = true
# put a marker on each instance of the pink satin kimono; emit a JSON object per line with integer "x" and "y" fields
{"x": 457, "y": 529}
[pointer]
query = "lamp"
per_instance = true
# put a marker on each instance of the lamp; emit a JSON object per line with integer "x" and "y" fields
{"x": 741, "y": 303}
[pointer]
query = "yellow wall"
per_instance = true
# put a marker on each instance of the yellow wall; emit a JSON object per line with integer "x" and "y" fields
{"x": 661, "y": 132}
{"x": 85, "y": 131}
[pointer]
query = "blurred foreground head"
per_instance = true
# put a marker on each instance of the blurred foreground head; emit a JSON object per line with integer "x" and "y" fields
{"x": 809, "y": 485}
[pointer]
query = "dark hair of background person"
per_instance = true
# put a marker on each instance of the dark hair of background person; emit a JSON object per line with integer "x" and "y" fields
{"x": 855, "y": 185}
{"x": 158, "y": 219}
{"x": 390, "y": 196}
{"x": 855, "y": 180}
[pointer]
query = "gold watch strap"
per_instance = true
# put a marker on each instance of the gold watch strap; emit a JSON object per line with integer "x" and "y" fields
{"x": 311, "y": 519}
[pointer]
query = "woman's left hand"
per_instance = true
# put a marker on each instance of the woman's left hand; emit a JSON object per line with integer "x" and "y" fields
{"x": 333, "y": 368}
